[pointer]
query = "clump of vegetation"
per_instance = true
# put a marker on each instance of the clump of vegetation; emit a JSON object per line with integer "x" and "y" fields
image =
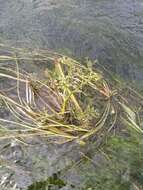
{"x": 53, "y": 182}
{"x": 72, "y": 102}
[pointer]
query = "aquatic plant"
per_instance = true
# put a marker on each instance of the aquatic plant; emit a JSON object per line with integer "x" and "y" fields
{"x": 53, "y": 182}
{"x": 71, "y": 102}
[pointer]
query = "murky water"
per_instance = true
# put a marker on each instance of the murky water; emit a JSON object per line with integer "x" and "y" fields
{"x": 110, "y": 30}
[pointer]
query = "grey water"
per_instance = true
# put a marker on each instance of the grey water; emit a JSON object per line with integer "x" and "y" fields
{"x": 108, "y": 30}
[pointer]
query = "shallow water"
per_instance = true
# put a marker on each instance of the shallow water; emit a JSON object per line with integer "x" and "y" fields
{"x": 110, "y": 30}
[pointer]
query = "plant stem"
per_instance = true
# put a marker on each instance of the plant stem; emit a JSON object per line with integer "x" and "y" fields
{"x": 61, "y": 73}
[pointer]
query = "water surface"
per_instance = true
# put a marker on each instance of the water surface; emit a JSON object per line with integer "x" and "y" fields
{"x": 110, "y": 30}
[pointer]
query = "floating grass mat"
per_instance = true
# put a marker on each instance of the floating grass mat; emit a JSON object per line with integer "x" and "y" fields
{"x": 71, "y": 102}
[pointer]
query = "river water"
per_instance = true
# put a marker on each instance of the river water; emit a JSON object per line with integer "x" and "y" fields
{"x": 109, "y": 30}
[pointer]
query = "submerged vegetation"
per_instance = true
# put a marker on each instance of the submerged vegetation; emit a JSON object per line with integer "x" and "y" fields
{"x": 116, "y": 165}
{"x": 52, "y": 182}
{"x": 70, "y": 102}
